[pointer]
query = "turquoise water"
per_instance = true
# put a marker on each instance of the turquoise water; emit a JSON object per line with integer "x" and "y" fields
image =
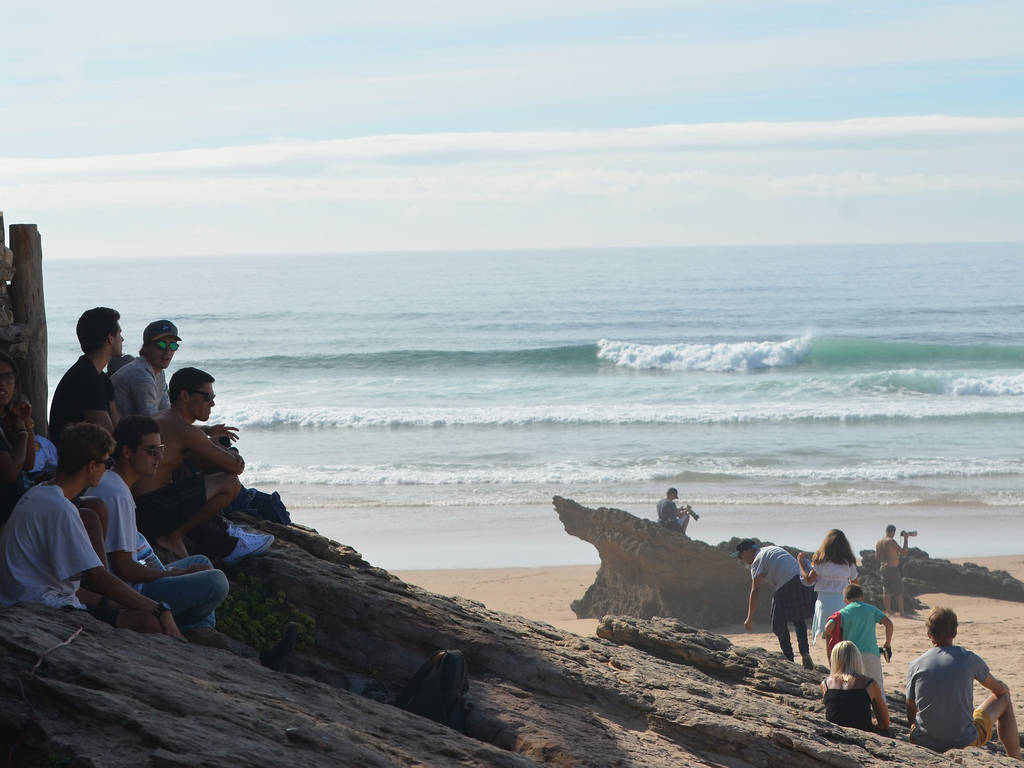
{"x": 425, "y": 407}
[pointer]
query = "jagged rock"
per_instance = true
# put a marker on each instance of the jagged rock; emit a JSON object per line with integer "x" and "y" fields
{"x": 649, "y": 570}
{"x": 923, "y": 574}
{"x": 644, "y": 695}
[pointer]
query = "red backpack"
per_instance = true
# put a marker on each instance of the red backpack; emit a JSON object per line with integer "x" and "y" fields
{"x": 837, "y": 632}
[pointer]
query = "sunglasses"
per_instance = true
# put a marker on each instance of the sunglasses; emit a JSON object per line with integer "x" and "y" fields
{"x": 156, "y": 451}
{"x": 107, "y": 462}
{"x": 8, "y": 377}
{"x": 171, "y": 345}
{"x": 207, "y": 396}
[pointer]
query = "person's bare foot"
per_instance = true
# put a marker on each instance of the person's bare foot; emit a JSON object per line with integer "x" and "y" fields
{"x": 177, "y": 546}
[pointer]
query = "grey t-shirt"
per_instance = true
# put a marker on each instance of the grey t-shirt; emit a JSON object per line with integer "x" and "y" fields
{"x": 777, "y": 565}
{"x": 941, "y": 682}
{"x": 138, "y": 390}
{"x": 667, "y": 510}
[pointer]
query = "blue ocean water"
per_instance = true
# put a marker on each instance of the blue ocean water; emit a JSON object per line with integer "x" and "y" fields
{"x": 424, "y": 408}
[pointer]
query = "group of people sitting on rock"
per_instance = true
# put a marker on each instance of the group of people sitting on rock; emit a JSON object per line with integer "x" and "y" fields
{"x": 940, "y": 682}
{"x": 132, "y": 467}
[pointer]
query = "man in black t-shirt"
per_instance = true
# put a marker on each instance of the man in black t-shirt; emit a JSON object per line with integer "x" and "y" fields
{"x": 84, "y": 392}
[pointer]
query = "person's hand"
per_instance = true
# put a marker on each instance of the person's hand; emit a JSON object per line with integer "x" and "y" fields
{"x": 24, "y": 411}
{"x": 222, "y": 430}
{"x": 801, "y": 557}
{"x": 194, "y": 568}
{"x": 749, "y": 624}
{"x": 168, "y": 625}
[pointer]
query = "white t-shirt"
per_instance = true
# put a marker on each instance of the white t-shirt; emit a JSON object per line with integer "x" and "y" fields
{"x": 777, "y": 565}
{"x": 121, "y": 527}
{"x": 832, "y": 577}
{"x": 44, "y": 549}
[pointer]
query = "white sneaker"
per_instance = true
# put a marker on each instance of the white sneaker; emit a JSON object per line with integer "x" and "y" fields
{"x": 248, "y": 544}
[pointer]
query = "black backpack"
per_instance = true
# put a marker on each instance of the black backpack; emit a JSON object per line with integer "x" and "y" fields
{"x": 438, "y": 690}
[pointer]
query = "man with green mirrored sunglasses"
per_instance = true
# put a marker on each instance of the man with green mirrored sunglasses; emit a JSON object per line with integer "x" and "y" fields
{"x": 140, "y": 387}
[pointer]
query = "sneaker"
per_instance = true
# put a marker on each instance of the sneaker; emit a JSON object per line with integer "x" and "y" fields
{"x": 808, "y": 662}
{"x": 248, "y": 544}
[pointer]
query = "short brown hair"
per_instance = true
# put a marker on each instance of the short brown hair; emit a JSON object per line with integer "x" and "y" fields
{"x": 81, "y": 443}
{"x": 853, "y": 592}
{"x": 941, "y": 625}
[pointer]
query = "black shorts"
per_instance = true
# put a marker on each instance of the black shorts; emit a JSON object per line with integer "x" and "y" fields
{"x": 167, "y": 509}
{"x": 105, "y": 612}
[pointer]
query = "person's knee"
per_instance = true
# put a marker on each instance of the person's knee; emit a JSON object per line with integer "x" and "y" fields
{"x": 219, "y": 586}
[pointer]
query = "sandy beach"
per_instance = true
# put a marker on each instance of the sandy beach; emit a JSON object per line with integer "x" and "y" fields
{"x": 988, "y": 627}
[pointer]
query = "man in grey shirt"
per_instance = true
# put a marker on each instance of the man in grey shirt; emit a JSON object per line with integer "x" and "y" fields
{"x": 669, "y": 515}
{"x": 940, "y": 695}
{"x": 140, "y": 388}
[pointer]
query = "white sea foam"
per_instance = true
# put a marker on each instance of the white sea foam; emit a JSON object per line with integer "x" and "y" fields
{"x": 848, "y": 409}
{"x": 989, "y": 386}
{"x": 739, "y": 356}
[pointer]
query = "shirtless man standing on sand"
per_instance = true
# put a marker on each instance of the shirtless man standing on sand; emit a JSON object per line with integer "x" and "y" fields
{"x": 168, "y": 508}
{"x": 888, "y": 554}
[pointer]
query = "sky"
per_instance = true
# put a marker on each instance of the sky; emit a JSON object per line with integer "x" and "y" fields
{"x": 243, "y": 128}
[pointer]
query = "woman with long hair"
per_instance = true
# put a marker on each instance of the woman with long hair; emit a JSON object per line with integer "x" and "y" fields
{"x": 17, "y": 438}
{"x": 831, "y": 568}
{"x": 850, "y": 695}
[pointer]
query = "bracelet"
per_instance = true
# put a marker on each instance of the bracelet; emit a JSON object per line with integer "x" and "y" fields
{"x": 161, "y": 609}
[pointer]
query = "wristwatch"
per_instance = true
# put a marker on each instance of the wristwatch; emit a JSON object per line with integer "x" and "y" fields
{"x": 161, "y": 609}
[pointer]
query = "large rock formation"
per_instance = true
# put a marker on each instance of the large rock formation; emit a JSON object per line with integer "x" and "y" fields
{"x": 644, "y": 694}
{"x": 648, "y": 570}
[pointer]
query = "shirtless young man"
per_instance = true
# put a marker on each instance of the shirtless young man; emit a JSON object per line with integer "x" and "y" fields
{"x": 888, "y": 554}
{"x": 167, "y": 508}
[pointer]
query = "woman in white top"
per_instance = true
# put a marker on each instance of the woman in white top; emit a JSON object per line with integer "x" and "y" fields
{"x": 829, "y": 571}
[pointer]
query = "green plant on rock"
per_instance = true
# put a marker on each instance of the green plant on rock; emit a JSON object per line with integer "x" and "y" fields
{"x": 257, "y": 616}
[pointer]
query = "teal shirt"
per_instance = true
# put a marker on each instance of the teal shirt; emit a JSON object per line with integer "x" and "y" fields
{"x": 858, "y": 623}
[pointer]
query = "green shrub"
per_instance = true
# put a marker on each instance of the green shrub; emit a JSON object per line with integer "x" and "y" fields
{"x": 257, "y": 617}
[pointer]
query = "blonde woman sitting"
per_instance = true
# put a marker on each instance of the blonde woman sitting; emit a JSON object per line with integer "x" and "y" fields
{"x": 849, "y": 695}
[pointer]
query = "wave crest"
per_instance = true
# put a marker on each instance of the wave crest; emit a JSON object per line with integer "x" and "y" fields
{"x": 723, "y": 357}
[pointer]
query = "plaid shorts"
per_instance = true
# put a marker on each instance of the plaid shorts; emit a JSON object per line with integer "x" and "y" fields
{"x": 793, "y": 601}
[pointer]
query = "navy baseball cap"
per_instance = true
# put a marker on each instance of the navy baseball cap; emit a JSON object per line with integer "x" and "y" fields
{"x": 158, "y": 329}
{"x": 743, "y": 546}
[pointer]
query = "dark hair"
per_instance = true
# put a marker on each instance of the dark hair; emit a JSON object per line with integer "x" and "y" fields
{"x": 890, "y": 530}
{"x": 129, "y": 432}
{"x": 671, "y": 490}
{"x": 81, "y": 443}
{"x": 941, "y": 625}
{"x": 834, "y": 549}
{"x": 5, "y": 358}
{"x": 853, "y": 592}
{"x": 94, "y": 326}
{"x": 187, "y": 380}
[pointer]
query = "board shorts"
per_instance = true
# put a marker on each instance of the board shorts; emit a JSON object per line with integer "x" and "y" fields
{"x": 167, "y": 509}
{"x": 892, "y": 580}
{"x": 793, "y": 601}
{"x": 983, "y": 726}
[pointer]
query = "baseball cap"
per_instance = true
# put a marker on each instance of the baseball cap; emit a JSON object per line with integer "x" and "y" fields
{"x": 743, "y": 546}
{"x": 158, "y": 329}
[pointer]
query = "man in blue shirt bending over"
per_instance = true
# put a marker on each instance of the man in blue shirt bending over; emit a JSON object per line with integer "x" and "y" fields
{"x": 940, "y": 695}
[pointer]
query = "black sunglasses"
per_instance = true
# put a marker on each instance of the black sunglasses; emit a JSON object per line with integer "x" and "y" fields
{"x": 171, "y": 345}
{"x": 107, "y": 462}
{"x": 207, "y": 396}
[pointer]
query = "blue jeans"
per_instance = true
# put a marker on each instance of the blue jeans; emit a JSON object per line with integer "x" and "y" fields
{"x": 192, "y": 597}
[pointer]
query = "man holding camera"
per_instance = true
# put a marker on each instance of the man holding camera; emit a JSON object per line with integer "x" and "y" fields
{"x": 888, "y": 554}
{"x": 671, "y": 516}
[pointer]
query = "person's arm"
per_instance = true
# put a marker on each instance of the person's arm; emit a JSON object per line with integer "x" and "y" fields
{"x": 807, "y": 572}
{"x": 12, "y": 461}
{"x": 127, "y": 568}
{"x": 886, "y": 622}
{"x": 830, "y": 627}
{"x": 911, "y": 712}
{"x": 215, "y": 431}
{"x": 998, "y": 687}
{"x": 755, "y": 591}
{"x": 906, "y": 545}
{"x": 100, "y": 580}
{"x": 879, "y": 706}
{"x": 210, "y": 455}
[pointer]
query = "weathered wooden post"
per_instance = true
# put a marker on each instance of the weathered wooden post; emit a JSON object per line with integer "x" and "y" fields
{"x": 30, "y": 311}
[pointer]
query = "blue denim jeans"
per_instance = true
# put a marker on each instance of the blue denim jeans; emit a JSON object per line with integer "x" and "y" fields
{"x": 192, "y": 597}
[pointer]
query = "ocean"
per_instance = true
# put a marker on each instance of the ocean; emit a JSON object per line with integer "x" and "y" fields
{"x": 425, "y": 407}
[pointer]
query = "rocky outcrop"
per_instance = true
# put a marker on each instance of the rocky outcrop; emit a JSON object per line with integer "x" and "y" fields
{"x": 643, "y": 694}
{"x": 648, "y": 570}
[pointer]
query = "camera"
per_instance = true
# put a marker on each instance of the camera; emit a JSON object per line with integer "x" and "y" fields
{"x": 689, "y": 510}
{"x": 908, "y": 533}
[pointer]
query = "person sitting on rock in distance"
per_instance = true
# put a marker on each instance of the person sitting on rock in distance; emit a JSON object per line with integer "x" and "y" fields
{"x": 168, "y": 508}
{"x": 940, "y": 695}
{"x": 46, "y": 552}
{"x": 888, "y": 554}
{"x": 792, "y": 601}
{"x": 85, "y": 393}
{"x": 850, "y": 695}
{"x": 191, "y": 587}
{"x": 858, "y": 621}
{"x": 829, "y": 571}
{"x": 669, "y": 515}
